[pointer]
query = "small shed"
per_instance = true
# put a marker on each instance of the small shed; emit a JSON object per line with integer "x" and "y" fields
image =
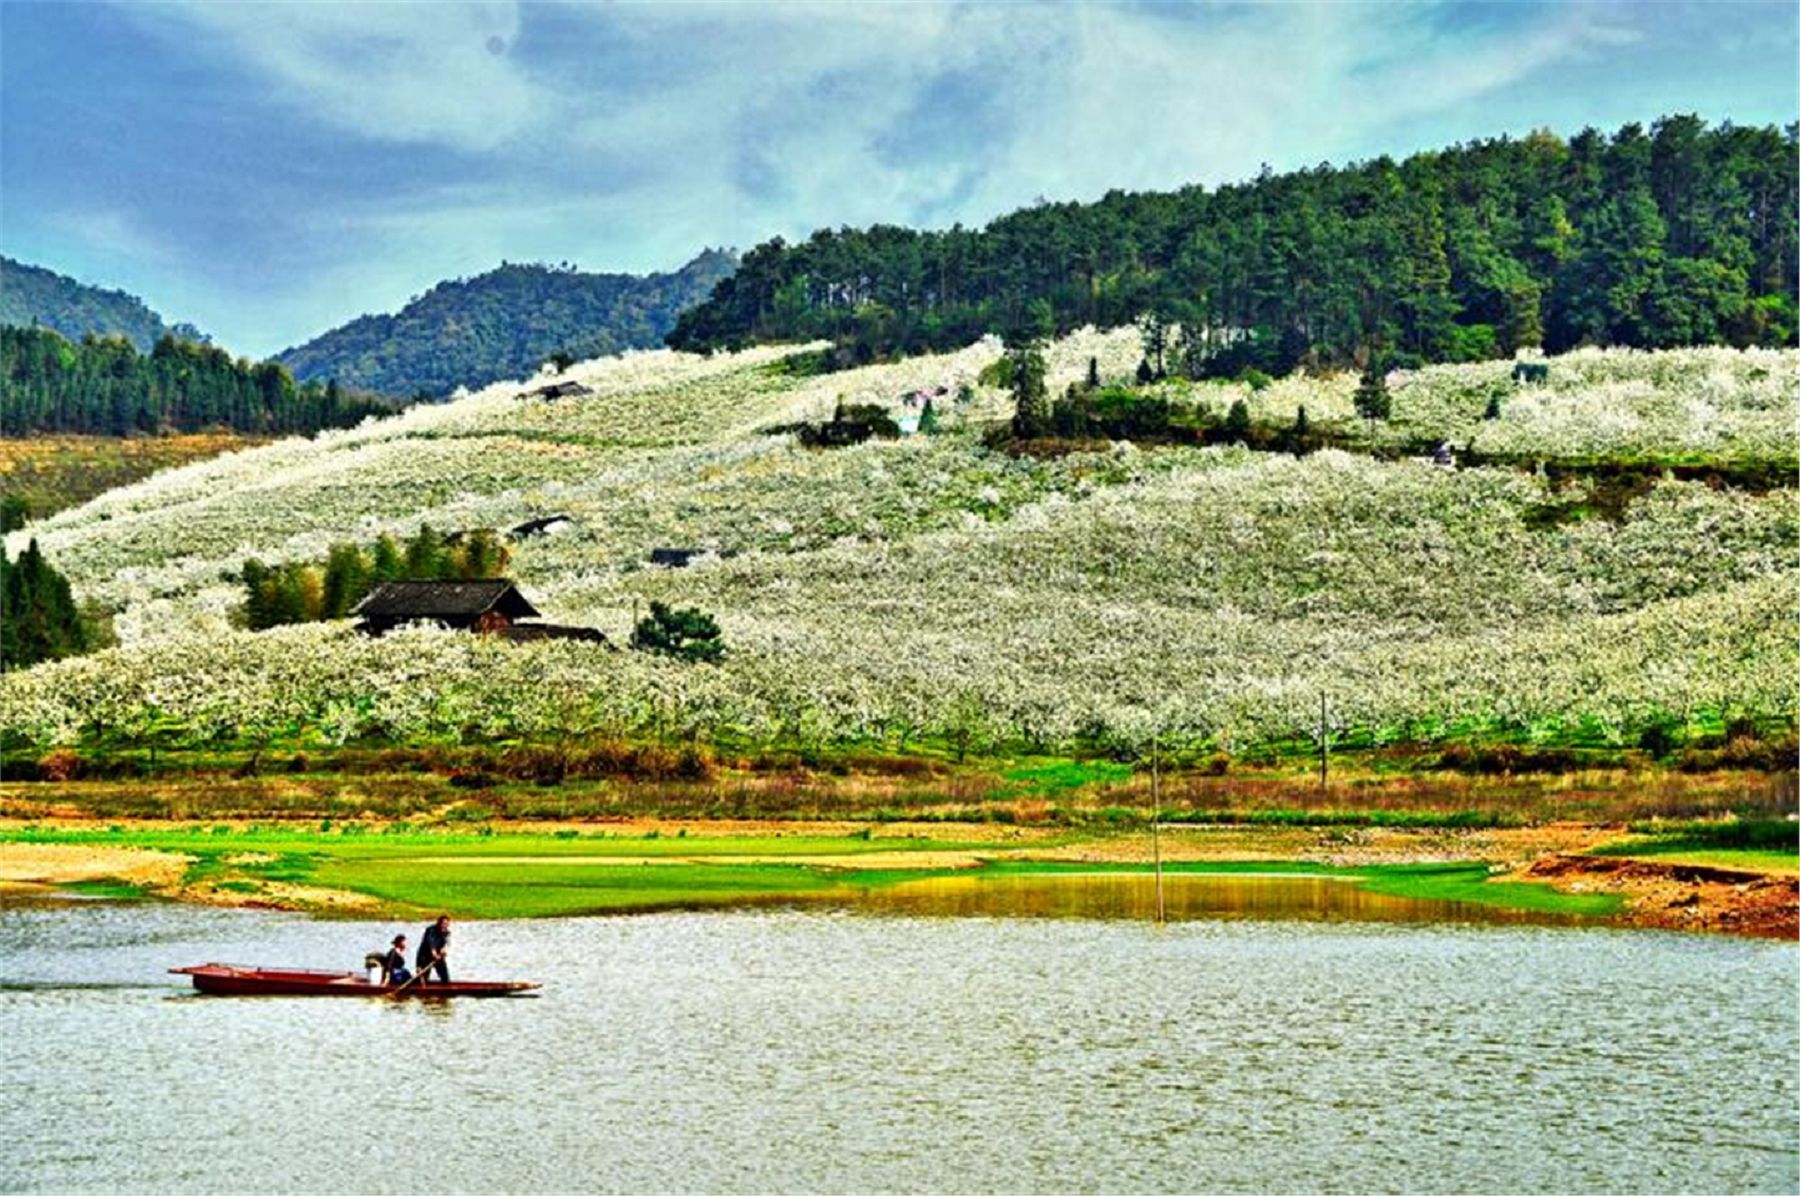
{"x": 479, "y": 606}
{"x": 548, "y": 525}
{"x": 557, "y": 390}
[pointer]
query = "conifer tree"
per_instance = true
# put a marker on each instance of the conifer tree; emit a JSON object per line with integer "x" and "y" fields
{"x": 38, "y": 616}
{"x": 1372, "y": 399}
{"x": 1031, "y": 399}
{"x": 1237, "y": 421}
{"x": 347, "y": 580}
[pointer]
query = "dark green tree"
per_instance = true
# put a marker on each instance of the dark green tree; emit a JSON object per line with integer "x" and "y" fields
{"x": 15, "y": 512}
{"x": 387, "y": 564}
{"x": 1237, "y": 421}
{"x": 1372, "y": 399}
{"x": 38, "y": 616}
{"x": 1031, "y": 398}
{"x": 688, "y": 634}
{"x": 426, "y": 558}
{"x": 348, "y": 579}
{"x": 928, "y": 419}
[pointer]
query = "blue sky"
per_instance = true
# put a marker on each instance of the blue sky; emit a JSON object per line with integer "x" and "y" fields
{"x": 268, "y": 171}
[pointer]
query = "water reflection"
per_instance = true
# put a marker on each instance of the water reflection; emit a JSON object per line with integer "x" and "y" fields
{"x": 1186, "y": 897}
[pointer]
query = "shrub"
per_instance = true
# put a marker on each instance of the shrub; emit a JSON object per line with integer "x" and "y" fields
{"x": 60, "y": 764}
{"x": 1658, "y": 738}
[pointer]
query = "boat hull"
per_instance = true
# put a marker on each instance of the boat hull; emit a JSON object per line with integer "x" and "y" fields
{"x": 233, "y": 980}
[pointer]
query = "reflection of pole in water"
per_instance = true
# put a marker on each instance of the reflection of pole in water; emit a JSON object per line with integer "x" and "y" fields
{"x": 1155, "y": 810}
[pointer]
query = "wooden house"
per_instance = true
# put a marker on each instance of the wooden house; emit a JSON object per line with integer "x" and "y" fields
{"x": 479, "y": 606}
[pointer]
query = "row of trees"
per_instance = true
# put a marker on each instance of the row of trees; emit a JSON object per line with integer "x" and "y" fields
{"x": 1678, "y": 235}
{"x": 1089, "y": 409}
{"x": 38, "y": 616}
{"x": 306, "y": 593}
{"x": 103, "y": 385}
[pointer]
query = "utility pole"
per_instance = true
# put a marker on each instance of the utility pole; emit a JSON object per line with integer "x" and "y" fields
{"x": 1324, "y": 749}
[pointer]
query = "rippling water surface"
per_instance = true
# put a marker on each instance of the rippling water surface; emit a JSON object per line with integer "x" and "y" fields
{"x": 795, "y": 1050}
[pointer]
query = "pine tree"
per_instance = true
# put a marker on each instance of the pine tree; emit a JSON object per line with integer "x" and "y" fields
{"x": 426, "y": 559}
{"x": 1237, "y": 421}
{"x": 1372, "y": 400}
{"x": 387, "y": 565}
{"x": 1031, "y": 399}
{"x": 38, "y": 616}
{"x": 480, "y": 555}
{"x": 347, "y": 580}
{"x": 257, "y": 595}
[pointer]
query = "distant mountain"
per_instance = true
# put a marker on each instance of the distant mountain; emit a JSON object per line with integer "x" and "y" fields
{"x": 503, "y": 324}
{"x": 33, "y": 295}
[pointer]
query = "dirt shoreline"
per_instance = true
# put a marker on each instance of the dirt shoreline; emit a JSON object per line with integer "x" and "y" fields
{"x": 1657, "y": 894}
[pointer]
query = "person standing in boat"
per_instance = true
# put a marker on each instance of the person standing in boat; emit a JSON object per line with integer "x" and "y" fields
{"x": 434, "y": 945}
{"x": 393, "y": 964}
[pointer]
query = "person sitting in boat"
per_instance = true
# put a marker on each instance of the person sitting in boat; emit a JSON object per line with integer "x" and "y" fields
{"x": 393, "y": 964}
{"x": 434, "y": 945}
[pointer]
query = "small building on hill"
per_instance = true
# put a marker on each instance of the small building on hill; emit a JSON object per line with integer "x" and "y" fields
{"x": 480, "y": 606}
{"x": 549, "y": 525}
{"x": 557, "y": 390}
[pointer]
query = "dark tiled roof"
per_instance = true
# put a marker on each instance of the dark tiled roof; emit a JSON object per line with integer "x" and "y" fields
{"x": 533, "y": 527}
{"x": 561, "y": 390}
{"x": 527, "y": 632}
{"x": 444, "y": 599}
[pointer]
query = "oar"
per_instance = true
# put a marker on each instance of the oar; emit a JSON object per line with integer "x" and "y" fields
{"x": 417, "y": 976}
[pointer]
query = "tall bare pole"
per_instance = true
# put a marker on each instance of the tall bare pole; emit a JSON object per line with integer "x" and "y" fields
{"x": 1155, "y": 818}
{"x": 1324, "y": 748}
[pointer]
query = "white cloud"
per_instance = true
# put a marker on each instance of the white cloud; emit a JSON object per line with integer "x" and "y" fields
{"x": 112, "y": 233}
{"x": 402, "y": 72}
{"x": 648, "y": 130}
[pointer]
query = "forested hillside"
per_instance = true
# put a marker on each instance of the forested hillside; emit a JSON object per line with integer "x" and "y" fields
{"x": 503, "y": 324}
{"x": 104, "y": 385}
{"x": 1679, "y": 235}
{"x": 32, "y": 295}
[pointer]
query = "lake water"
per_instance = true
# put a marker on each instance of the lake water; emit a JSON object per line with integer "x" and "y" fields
{"x": 806, "y": 1050}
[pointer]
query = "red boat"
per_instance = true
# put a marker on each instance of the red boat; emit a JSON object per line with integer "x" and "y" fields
{"x": 234, "y": 980}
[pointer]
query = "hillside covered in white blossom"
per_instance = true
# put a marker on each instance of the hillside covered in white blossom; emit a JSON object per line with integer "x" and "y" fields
{"x": 932, "y": 585}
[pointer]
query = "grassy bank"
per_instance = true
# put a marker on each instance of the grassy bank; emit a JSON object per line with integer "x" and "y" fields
{"x": 1455, "y": 786}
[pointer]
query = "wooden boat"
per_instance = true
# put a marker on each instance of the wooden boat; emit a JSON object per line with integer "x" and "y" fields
{"x": 235, "y": 980}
